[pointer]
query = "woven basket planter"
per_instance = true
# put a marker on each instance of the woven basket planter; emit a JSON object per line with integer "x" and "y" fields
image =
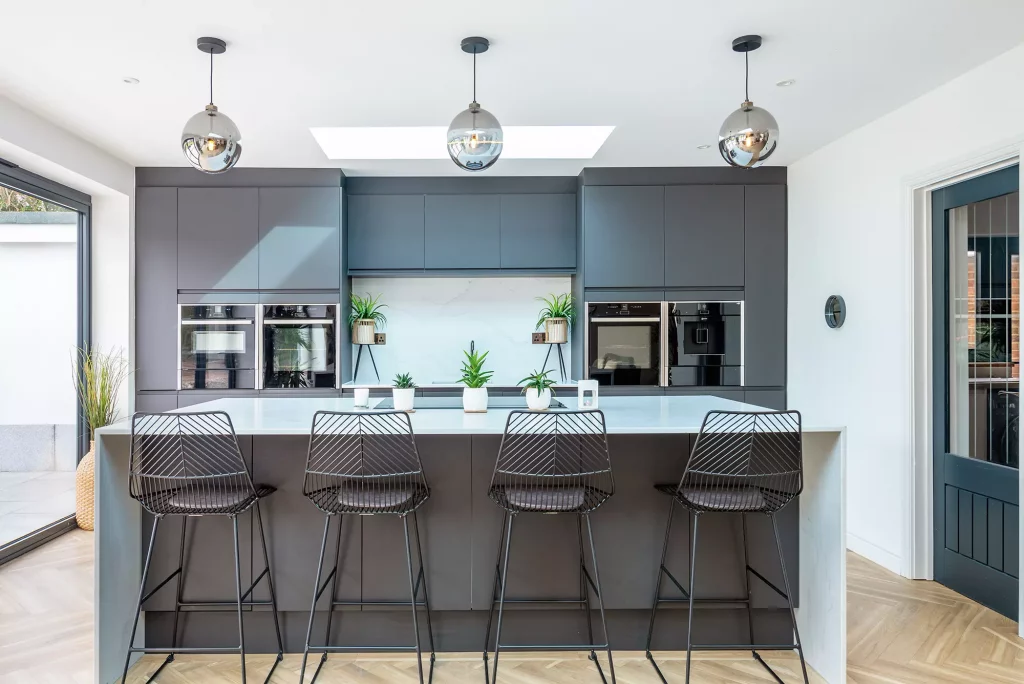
{"x": 85, "y": 490}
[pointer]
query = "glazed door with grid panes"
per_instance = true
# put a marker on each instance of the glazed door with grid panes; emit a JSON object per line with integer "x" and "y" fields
{"x": 976, "y": 284}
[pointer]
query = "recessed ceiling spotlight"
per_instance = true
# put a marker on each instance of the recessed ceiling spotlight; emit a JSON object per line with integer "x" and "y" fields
{"x": 130, "y": 80}
{"x": 703, "y": 147}
{"x": 785, "y": 84}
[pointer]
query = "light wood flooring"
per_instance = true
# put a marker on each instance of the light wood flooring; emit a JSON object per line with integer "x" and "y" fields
{"x": 900, "y": 632}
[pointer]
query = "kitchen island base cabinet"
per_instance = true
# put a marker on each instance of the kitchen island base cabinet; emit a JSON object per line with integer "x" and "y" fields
{"x": 460, "y": 527}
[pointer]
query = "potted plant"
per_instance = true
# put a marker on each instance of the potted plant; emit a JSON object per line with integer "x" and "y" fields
{"x": 98, "y": 378}
{"x": 538, "y": 389}
{"x": 474, "y": 377}
{"x": 364, "y": 318}
{"x": 403, "y": 392}
{"x": 557, "y": 316}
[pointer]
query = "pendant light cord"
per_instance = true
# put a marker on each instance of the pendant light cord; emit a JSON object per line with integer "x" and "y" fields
{"x": 746, "y": 77}
{"x": 211, "y": 77}
{"x": 474, "y": 76}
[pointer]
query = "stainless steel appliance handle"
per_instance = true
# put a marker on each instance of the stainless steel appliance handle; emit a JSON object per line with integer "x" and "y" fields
{"x": 663, "y": 379}
{"x": 297, "y": 321}
{"x": 217, "y": 321}
{"x": 626, "y": 319}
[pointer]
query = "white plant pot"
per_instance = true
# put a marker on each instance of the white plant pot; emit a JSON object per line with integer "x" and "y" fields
{"x": 474, "y": 400}
{"x": 404, "y": 398}
{"x": 363, "y": 330}
{"x": 556, "y": 330}
{"x": 538, "y": 401}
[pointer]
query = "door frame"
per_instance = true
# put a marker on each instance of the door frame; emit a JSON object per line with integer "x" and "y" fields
{"x": 919, "y": 482}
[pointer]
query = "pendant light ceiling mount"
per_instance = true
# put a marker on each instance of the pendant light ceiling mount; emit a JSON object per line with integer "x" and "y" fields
{"x": 750, "y": 134}
{"x": 475, "y": 138}
{"x": 210, "y": 140}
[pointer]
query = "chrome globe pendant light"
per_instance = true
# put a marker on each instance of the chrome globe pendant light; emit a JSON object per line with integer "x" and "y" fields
{"x": 475, "y": 138}
{"x": 211, "y": 140}
{"x": 750, "y": 134}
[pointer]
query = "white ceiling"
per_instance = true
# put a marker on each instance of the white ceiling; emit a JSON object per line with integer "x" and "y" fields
{"x": 661, "y": 71}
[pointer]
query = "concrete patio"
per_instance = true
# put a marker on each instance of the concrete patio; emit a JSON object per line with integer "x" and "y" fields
{"x": 31, "y": 500}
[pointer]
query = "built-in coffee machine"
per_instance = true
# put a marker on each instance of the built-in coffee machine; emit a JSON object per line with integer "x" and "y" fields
{"x": 704, "y": 344}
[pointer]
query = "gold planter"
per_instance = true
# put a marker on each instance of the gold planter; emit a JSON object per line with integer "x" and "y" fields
{"x": 556, "y": 330}
{"x": 85, "y": 490}
{"x": 363, "y": 330}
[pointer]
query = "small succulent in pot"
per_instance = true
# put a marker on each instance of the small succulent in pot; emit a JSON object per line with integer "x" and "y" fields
{"x": 365, "y": 317}
{"x": 539, "y": 389}
{"x": 475, "y": 378}
{"x": 404, "y": 392}
{"x": 557, "y": 317}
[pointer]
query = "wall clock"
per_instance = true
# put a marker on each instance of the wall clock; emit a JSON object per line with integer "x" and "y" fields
{"x": 835, "y": 311}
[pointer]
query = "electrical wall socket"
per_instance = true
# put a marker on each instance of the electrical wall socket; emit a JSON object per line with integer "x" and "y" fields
{"x": 380, "y": 338}
{"x": 540, "y": 338}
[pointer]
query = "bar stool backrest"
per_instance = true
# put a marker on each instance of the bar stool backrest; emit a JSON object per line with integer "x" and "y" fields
{"x": 551, "y": 454}
{"x": 193, "y": 456}
{"x": 372, "y": 456}
{"x": 749, "y": 460}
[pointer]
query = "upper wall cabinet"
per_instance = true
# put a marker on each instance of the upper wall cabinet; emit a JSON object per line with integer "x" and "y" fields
{"x": 218, "y": 237}
{"x": 385, "y": 232}
{"x": 300, "y": 238}
{"x": 156, "y": 289}
{"x": 463, "y": 231}
{"x": 624, "y": 236}
{"x": 764, "y": 308}
{"x": 704, "y": 236}
{"x": 538, "y": 231}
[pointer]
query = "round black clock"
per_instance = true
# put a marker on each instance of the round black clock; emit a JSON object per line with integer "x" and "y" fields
{"x": 835, "y": 311}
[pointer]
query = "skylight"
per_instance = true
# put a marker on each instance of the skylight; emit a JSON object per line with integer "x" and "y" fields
{"x": 428, "y": 142}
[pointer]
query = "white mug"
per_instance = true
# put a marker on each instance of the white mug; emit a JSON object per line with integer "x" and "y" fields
{"x": 362, "y": 397}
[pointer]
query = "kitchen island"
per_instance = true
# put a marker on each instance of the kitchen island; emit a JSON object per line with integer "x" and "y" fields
{"x": 649, "y": 439}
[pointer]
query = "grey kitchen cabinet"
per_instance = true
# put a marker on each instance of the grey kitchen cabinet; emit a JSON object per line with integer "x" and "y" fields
{"x": 462, "y": 231}
{"x": 704, "y": 236}
{"x": 624, "y": 236}
{"x": 218, "y": 238}
{"x": 771, "y": 399}
{"x": 300, "y": 238}
{"x": 764, "y": 309}
{"x": 385, "y": 232}
{"x": 538, "y": 231}
{"x": 156, "y": 288}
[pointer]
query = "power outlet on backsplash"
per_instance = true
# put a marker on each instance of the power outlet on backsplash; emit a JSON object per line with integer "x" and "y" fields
{"x": 540, "y": 338}
{"x": 380, "y": 338}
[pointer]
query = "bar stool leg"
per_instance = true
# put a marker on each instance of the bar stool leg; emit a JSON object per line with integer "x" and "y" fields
{"x": 494, "y": 595}
{"x": 501, "y": 597}
{"x": 181, "y": 580}
{"x": 600, "y": 605}
{"x": 584, "y": 589}
{"x": 657, "y": 585}
{"x": 789, "y": 597}
{"x": 334, "y": 597}
{"x": 142, "y": 592}
{"x": 746, "y": 584}
{"x": 273, "y": 592}
{"x": 412, "y": 597}
{"x": 316, "y": 590}
{"x": 426, "y": 596}
{"x": 238, "y": 586}
{"x": 693, "y": 568}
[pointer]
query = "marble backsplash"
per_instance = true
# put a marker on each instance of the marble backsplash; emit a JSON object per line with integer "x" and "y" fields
{"x": 432, "y": 320}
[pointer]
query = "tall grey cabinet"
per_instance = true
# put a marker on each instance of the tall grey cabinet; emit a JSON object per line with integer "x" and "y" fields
{"x": 156, "y": 288}
{"x": 624, "y": 236}
{"x": 218, "y": 238}
{"x": 299, "y": 238}
{"x": 765, "y": 288}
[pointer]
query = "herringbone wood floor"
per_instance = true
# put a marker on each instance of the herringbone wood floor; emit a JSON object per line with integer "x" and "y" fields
{"x": 900, "y": 632}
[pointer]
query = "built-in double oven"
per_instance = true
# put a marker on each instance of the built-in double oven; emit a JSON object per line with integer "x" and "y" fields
{"x": 258, "y": 346}
{"x": 667, "y": 344}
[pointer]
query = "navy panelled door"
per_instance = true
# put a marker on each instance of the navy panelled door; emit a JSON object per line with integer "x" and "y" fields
{"x": 976, "y": 306}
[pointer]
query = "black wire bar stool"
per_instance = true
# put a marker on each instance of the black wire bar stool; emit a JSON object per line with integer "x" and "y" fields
{"x": 363, "y": 463}
{"x": 741, "y": 463}
{"x": 189, "y": 465}
{"x": 553, "y": 462}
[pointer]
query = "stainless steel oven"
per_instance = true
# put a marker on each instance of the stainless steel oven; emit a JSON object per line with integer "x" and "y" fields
{"x": 704, "y": 344}
{"x": 217, "y": 346}
{"x": 624, "y": 343}
{"x": 300, "y": 346}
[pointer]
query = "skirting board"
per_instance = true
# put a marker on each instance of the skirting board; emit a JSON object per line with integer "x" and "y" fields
{"x": 874, "y": 553}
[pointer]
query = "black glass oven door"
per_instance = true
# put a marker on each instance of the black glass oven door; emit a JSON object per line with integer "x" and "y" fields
{"x": 625, "y": 352}
{"x": 218, "y": 347}
{"x": 299, "y": 347}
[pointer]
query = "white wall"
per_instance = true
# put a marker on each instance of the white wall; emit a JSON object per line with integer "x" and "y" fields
{"x": 432, "y": 320}
{"x": 850, "y": 232}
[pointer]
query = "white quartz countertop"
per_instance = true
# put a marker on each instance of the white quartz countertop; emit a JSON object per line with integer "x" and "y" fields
{"x": 623, "y": 415}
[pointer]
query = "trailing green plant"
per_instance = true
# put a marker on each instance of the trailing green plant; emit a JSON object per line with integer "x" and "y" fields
{"x": 367, "y": 308}
{"x": 557, "y": 306}
{"x": 98, "y": 377}
{"x": 538, "y": 381}
{"x": 404, "y": 381}
{"x": 473, "y": 374}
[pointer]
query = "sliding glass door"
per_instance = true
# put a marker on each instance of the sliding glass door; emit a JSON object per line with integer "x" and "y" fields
{"x": 43, "y": 288}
